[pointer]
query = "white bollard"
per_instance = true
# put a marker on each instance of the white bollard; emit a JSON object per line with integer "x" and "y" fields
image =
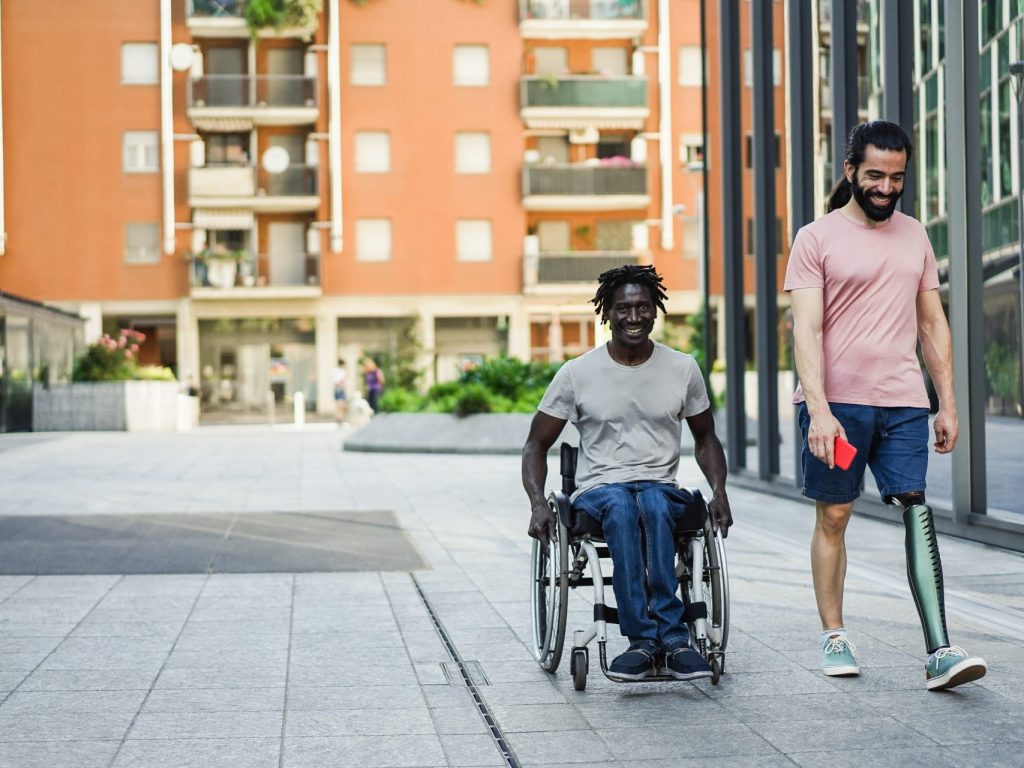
{"x": 299, "y": 406}
{"x": 271, "y": 407}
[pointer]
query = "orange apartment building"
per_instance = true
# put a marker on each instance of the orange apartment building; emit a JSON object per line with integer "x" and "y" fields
{"x": 264, "y": 204}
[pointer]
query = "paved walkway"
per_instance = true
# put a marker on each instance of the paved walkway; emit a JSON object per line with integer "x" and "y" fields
{"x": 326, "y": 669}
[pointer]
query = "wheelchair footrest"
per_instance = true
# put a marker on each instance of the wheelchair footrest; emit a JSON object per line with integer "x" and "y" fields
{"x": 604, "y": 613}
{"x": 695, "y": 611}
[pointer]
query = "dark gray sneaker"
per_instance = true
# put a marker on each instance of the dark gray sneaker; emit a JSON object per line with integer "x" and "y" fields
{"x": 685, "y": 664}
{"x": 635, "y": 664}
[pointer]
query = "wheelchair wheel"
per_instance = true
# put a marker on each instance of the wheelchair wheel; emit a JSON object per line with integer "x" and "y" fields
{"x": 717, "y": 662}
{"x": 549, "y": 590}
{"x": 716, "y": 591}
{"x": 578, "y": 663}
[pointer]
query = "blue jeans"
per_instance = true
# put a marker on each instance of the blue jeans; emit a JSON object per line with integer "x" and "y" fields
{"x": 638, "y": 521}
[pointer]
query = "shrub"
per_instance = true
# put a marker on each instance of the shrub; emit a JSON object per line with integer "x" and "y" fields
{"x": 472, "y": 398}
{"x": 400, "y": 400}
{"x": 110, "y": 359}
{"x": 154, "y": 373}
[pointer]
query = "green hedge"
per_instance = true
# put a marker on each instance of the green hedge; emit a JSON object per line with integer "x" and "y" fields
{"x": 498, "y": 385}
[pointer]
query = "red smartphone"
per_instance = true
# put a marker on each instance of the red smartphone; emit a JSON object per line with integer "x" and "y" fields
{"x": 844, "y": 453}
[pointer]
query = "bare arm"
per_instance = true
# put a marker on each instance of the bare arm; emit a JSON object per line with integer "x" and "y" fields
{"x": 544, "y": 430}
{"x": 711, "y": 460}
{"x": 808, "y": 306}
{"x": 937, "y": 348}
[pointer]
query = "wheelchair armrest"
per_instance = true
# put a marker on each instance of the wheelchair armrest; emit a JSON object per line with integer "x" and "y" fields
{"x": 560, "y": 503}
{"x": 694, "y": 516}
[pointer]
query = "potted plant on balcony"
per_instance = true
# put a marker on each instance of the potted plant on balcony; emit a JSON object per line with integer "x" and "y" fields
{"x": 222, "y": 265}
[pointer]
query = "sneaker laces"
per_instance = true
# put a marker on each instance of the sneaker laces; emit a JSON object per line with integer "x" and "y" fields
{"x": 951, "y": 650}
{"x": 836, "y": 645}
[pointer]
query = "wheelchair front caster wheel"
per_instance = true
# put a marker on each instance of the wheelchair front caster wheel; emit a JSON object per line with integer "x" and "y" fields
{"x": 717, "y": 667}
{"x": 578, "y": 664}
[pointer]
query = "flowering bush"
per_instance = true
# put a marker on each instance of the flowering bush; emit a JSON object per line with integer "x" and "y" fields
{"x": 110, "y": 359}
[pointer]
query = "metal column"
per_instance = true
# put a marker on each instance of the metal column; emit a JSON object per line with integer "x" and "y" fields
{"x": 765, "y": 233}
{"x": 897, "y": 79}
{"x": 732, "y": 234}
{"x": 843, "y": 59}
{"x": 966, "y": 308}
{"x": 801, "y": 144}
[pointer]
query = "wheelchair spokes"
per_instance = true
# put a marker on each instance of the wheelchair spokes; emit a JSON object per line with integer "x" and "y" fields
{"x": 549, "y": 599}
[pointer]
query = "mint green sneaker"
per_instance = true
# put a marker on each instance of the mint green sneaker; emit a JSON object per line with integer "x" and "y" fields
{"x": 837, "y": 657}
{"x": 949, "y": 667}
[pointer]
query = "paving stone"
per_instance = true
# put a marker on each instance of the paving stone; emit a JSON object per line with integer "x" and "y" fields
{"x": 363, "y": 751}
{"x": 352, "y": 675}
{"x": 356, "y": 722}
{"x": 873, "y": 757}
{"x": 527, "y": 718}
{"x": 221, "y": 677}
{"x": 46, "y": 703}
{"x": 58, "y": 754}
{"x": 838, "y": 734}
{"x": 709, "y": 740}
{"x": 458, "y": 721}
{"x": 968, "y": 727}
{"x": 465, "y": 751}
{"x": 215, "y": 700}
{"x": 205, "y": 725}
{"x": 199, "y": 753}
{"x": 559, "y": 747}
{"x": 75, "y": 726}
{"x": 88, "y": 680}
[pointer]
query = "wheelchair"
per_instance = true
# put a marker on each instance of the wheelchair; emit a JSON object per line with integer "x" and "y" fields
{"x": 579, "y": 546}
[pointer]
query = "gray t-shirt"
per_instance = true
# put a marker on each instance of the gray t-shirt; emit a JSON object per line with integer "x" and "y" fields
{"x": 629, "y": 416}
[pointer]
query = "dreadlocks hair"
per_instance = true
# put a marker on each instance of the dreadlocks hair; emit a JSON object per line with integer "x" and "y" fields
{"x": 610, "y": 281}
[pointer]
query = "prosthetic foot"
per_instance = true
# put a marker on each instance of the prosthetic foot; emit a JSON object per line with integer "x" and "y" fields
{"x": 947, "y": 666}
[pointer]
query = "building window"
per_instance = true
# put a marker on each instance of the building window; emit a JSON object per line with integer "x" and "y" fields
{"x": 472, "y": 152}
{"x": 609, "y": 61}
{"x": 373, "y": 239}
{"x": 748, "y": 67}
{"x": 227, "y": 148}
{"x": 373, "y": 151}
{"x": 691, "y": 148}
{"x": 141, "y": 242}
{"x": 140, "y": 153}
{"x": 473, "y": 240}
{"x": 369, "y": 64}
{"x": 471, "y": 65}
{"x": 748, "y": 151}
{"x": 139, "y": 64}
{"x": 550, "y": 60}
{"x": 689, "y": 65}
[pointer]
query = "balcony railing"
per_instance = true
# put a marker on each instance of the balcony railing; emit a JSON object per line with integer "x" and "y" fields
{"x": 581, "y": 9}
{"x": 583, "y": 91}
{"x": 275, "y": 270}
{"x": 552, "y": 268}
{"x": 222, "y": 9}
{"x": 584, "y": 180}
{"x": 246, "y": 91}
{"x": 295, "y": 180}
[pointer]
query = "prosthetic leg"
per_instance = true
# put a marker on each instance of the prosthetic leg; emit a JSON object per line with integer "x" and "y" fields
{"x": 947, "y": 666}
{"x": 924, "y": 568}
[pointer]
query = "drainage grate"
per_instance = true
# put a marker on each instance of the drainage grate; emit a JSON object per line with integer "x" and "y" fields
{"x": 457, "y": 669}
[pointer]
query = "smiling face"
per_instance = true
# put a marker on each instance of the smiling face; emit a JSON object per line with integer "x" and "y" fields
{"x": 631, "y": 317}
{"x": 878, "y": 181}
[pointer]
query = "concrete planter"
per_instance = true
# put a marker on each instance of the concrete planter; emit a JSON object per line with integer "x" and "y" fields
{"x": 124, "y": 406}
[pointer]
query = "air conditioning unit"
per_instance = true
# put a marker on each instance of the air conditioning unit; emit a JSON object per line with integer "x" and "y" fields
{"x": 583, "y": 136}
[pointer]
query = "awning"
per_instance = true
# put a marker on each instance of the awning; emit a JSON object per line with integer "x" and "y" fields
{"x": 222, "y": 218}
{"x": 223, "y": 124}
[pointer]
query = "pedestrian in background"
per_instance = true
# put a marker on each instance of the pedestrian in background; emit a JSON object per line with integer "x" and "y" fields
{"x": 373, "y": 382}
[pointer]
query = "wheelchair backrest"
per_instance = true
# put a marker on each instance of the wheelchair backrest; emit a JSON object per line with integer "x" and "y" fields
{"x": 568, "y": 468}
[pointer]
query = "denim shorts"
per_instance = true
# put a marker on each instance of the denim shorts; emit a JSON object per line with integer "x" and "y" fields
{"x": 892, "y": 441}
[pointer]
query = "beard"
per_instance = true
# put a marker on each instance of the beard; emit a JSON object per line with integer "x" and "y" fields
{"x": 872, "y": 211}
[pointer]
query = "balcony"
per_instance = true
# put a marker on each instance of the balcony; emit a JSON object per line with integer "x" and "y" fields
{"x": 226, "y": 18}
{"x": 241, "y": 186}
{"x": 585, "y": 187}
{"x": 582, "y": 19}
{"x": 552, "y": 272}
{"x": 261, "y": 100}
{"x": 584, "y": 102}
{"x": 274, "y": 275}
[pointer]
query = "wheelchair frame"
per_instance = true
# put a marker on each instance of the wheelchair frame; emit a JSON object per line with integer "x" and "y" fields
{"x": 561, "y": 564}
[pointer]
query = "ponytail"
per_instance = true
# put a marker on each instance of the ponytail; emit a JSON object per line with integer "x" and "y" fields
{"x": 840, "y": 194}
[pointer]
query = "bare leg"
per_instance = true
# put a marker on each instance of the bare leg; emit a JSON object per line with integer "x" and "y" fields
{"x": 828, "y": 561}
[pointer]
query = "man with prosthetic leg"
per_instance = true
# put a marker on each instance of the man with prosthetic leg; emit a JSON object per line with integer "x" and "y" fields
{"x": 863, "y": 287}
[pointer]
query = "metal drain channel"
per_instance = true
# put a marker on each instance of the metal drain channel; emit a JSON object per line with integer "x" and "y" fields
{"x": 492, "y": 726}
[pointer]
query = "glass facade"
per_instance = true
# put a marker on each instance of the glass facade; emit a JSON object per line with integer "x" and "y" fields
{"x": 38, "y": 346}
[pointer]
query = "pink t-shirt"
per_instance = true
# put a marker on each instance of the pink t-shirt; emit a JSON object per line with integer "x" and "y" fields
{"x": 870, "y": 278}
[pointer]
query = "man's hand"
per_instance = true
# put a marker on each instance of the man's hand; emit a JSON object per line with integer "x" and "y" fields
{"x": 821, "y": 437}
{"x": 542, "y": 522}
{"x": 721, "y": 514}
{"x": 947, "y": 430}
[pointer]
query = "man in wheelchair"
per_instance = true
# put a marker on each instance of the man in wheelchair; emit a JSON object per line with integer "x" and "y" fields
{"x": 628, "y": 399}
